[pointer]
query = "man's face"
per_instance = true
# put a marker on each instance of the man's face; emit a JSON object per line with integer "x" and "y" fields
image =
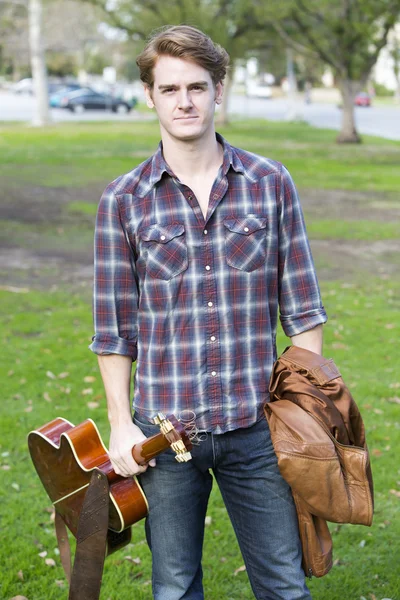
{"x": 184, "y": 97}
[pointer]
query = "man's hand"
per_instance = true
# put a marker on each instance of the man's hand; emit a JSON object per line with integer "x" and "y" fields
{"x": 122, "y": 439}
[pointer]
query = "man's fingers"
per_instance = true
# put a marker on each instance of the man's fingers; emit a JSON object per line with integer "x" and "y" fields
{"x": 126, "y": 468}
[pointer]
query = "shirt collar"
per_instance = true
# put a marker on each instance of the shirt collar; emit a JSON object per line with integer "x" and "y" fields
{"x": 159, "y": 165}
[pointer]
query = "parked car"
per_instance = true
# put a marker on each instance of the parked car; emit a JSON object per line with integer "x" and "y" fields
{"x": 58, "y": 95}
{"x": 362, "y": 99}
{"x": 87, "y": 98}
{"x": 258, "y": 90}
{"x": 24, "y": 86}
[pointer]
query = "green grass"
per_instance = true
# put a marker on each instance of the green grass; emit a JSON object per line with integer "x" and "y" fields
{"x": 72, "y": 238}
{"x": 71, "y": 155}
{"x": 82, "y": 208}
{"x": 329, "y": 229}
{"x": 47, "y": 334}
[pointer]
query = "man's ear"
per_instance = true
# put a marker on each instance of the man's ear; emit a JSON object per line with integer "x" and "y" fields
{"x": 149, "y": 99}
{"x": 219, "y": 91}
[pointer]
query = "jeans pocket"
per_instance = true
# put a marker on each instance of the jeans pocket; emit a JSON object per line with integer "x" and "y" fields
{"x": 165, "y": 249}
{"x": 145, "y": 424}
{"x": 245, "y": 241}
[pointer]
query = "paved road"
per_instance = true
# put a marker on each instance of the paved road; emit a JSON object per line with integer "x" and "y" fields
{"x": 382, "y": 121}
{"x": 375, "y": 120}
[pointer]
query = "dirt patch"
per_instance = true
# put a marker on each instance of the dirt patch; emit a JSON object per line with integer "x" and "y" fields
{"x": 350, "y": 205}
{"x": 37, "y": 204}
{"x": 48, "y": 261}
{"x": 356, "y": 260}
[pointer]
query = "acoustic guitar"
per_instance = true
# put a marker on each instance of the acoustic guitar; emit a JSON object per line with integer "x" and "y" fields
{"x": 65, "y": 457}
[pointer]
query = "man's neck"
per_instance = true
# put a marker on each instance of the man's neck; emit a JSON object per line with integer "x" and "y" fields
{"x": 188, "y": 159}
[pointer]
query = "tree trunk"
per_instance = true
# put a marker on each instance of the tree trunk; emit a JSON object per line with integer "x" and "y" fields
{"x": 293, "y": 112}
{"x": 348, "y": 133}
{"x": 222, "y": 115}
{"x": 41, "y": 115}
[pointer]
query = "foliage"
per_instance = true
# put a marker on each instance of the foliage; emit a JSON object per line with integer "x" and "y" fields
{"x": 382, "y": 90}
{"x": 233, "y": 24}
{"x": 60, "y": 64}
{"x": 347, "y": 35}
{"x": 95, "y": 63}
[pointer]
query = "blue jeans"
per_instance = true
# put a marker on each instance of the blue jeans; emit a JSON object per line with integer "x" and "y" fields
{"x": 259, "y": 503}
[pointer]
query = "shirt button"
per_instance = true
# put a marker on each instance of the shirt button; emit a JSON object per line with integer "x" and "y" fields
{"x": 210, "y": 304}
{"x": 208, "y": 267}
{"x": 163, "y": 237}
{"x": 213, "y": 373}
{"x": 205, "y": 232}
{"x": 246, "y": 229}
{"x": 190, "y": 197}
{"x": 213, "y": 338}
{"x": 215, "y": 196}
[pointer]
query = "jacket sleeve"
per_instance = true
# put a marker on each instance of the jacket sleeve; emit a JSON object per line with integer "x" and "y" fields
{"x": 115, "y": 298}
{"x": 300, "y": 302}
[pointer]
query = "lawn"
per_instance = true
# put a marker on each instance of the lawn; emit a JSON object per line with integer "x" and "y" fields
{"x": 50, "y": 185}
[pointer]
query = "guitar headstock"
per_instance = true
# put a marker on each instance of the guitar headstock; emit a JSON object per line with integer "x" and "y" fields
{"x": 175, "y": 433}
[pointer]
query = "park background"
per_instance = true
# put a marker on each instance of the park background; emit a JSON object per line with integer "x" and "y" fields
{"x": 52, "y": 176}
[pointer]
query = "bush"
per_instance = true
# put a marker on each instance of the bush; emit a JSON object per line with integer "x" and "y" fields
{"x": 382, "y": 90}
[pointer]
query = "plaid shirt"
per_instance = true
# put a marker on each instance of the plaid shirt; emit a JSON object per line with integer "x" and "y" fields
{"x": 195, "y": 301}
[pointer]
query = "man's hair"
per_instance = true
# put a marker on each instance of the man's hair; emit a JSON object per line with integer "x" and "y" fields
{"x": 188, "y": 43}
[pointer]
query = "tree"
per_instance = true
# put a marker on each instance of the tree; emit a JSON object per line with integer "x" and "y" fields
{"x": 38, "y": 64}
{"x": 347, "y": 35}
{"x": 394, "y": 51}
{"x": 14, "y": 39}
{"x": 231, "y": 23}
{"x": 72, "y": 29}
{"x": 65, "y": 33}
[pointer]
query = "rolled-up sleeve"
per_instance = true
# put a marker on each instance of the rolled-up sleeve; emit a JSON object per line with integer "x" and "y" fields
{"x": 300, "y": 302}
{"x": 115, "y": 298}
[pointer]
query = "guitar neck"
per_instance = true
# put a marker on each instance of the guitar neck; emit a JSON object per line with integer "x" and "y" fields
{"x": 149, "y": 448}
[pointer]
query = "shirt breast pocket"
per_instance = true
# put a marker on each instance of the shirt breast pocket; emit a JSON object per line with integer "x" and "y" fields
{"x": 245, "y": 241}
{"x": 166, "y": 250}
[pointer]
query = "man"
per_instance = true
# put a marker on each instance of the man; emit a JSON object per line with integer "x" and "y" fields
{"x": 196, "y": 249}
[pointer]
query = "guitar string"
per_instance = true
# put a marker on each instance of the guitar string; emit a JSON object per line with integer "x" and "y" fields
{"x": 188, "y": 420}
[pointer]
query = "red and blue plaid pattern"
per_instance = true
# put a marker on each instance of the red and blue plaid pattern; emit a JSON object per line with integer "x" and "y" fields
{"x": 195, "y": 301}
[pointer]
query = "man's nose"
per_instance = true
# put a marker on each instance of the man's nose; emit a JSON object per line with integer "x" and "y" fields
{"x": 184, "y": 100}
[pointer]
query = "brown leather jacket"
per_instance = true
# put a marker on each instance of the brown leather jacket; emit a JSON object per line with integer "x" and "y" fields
{"x": 319, "y": 439}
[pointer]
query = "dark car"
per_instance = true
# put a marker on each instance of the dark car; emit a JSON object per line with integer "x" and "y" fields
{"x": 87, "y": 98}
{"x": 362, "y": 99}
{"x": 57, "y": 95}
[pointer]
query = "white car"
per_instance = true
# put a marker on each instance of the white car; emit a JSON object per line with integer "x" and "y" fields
{"x": 254, "y": 89}
{"x": 25, "y": 86}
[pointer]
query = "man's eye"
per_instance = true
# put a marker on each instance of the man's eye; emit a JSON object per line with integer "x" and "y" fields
{"x": 168, "y": 90}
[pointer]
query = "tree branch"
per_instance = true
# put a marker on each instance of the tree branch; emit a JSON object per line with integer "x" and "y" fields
{"x": 293, "y": 43}
{"x": 309, "y": 12}
{"x": 390, "y": 22}
{"x": 222, "y": 9}
{"x": 115, "y": 19}
{"x": 305, "y": 30}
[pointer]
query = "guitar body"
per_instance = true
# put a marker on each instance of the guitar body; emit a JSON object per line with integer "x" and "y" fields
{"x": 65, "y": 458}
